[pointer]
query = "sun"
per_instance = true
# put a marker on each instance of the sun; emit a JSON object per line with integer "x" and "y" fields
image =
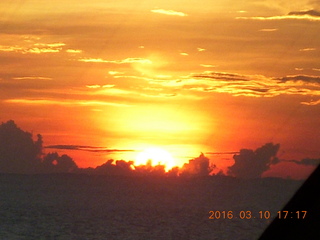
{"x": 157, "y": 156}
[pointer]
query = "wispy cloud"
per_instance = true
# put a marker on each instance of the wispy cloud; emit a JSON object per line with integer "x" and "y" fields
{"x": 65, "y": 102}
{"x": 74, "y": 51}
{"x": 311, "y": 15}
{"x": 36, "y": 48}
{"x": 311, "y": 103}
{"x": 169, "y": 12}
{"x": 123, "y": 61}
{"x": 87, "y": 148}
{"x": 246, "y": 85}
{"x": 301, "y": 78}
{"x": 307, "y": 49}
{"x": 32, "y": 78}
{"x": 305, "y": 161}
{"x": 100, "y": 86}
{"x": 208, "y": 65}
{"x": 268, "y": 30}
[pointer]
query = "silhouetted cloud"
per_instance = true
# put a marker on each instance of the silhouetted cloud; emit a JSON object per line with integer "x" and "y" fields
{"x": 87, "y": 148}
{"x": 149, "y": 170}
{"x": 251, "y": 164}
{"x": 218, "y": 153}
{"x": 199, "y": 166}
{"x": 307, "y": 162}
{"x": 53, "y": 163}
{"x": 121, "y": 168}
{"x": 19, "y": 153}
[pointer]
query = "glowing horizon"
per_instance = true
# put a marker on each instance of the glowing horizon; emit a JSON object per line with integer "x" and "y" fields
{"x": 189, "y": 77}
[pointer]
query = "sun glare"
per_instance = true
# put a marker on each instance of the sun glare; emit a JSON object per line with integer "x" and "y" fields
{"x": 157, "y": 156}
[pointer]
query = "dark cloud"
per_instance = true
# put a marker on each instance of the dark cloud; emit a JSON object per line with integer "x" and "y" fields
{"x": 307, "y": 162}
{"x": 19, "y": 153}
{"x": 199, "y": 166}
{"x": 223, "y": 76}
{"x": 251, "y": 164}
{"x": 120, "y": 168}
{"x": 149, "y": 170}
{"x": 221, "y": 153}
{"x": 313, "y": 13}
{"x": 87, "y": 148}
{"x": 304, "y": 78}
{"x": 53, "y": 163}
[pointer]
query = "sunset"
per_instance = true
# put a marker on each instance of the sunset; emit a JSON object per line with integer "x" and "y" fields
{"x": 175, "y": 88}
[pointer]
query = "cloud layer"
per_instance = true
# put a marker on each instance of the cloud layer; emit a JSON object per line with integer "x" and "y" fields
{"x": 246, "y": 85}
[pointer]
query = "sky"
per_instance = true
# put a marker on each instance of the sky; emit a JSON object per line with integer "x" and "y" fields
{"x": 102, "y": 79}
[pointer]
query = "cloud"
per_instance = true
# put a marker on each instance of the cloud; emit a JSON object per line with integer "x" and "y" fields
{"x": 19, "y": 153}
{"x": 32, "y": 78}
{"x": 53, "y": 163}
{"x": 307, "y": 49}
{"x": 10, "y": 48}
{"x": 268, "y": 29}
{"x": 311, "y": 15}
{"x": 223, "y": 75}
{"x": 303, "y": 78}
{"x": 311, "y": 103}
{"x": 244, "y": 85}
{"x": 306, "y": 162}
{"x": 169, "y": 12}
{"x": 50, "y": 45}
{"x": 124, "y": 61}
{"x": 115, "y": 73}
{"x": 120, "y": 168}
{"x": 251, "y": 164}
{"x": 199, "y": 166}
{"x": 35, "y": 48}
{"x": 65, "y": 102}
{"x": 208, "y": 65}
{"x": 100, "y": 86}
{"x": 74, "y": 51}
{"x": 87, "y": 148}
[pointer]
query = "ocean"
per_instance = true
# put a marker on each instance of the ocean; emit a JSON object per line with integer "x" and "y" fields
{"x": 71, "y": 206}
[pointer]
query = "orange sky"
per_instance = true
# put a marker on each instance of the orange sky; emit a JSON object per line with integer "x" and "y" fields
{"x": 188, "y": 77}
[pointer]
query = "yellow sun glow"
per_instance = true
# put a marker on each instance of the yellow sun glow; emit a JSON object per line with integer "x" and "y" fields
{"x": 157, "y": 156}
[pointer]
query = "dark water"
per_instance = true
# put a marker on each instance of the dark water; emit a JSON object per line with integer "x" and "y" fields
{"x": 99, "y": 207}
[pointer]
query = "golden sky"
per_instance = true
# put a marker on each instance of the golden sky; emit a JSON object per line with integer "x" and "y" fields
{"x": 210, "y": 76}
